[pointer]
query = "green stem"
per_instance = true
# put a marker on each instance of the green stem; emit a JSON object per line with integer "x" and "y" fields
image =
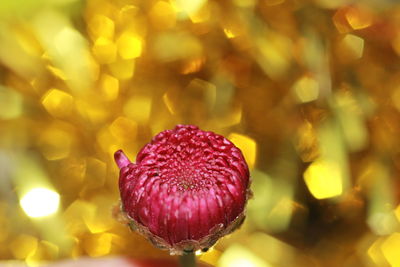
{"x": 188, "y": 260}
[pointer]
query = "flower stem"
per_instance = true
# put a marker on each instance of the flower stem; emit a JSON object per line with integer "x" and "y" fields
{"x": 188, "y": 260}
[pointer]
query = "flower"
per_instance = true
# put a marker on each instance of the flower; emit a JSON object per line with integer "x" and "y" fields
{"x": 187, "y": 189}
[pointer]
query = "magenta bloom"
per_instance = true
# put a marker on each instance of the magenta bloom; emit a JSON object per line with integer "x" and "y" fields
{"x": 187, "y": 188}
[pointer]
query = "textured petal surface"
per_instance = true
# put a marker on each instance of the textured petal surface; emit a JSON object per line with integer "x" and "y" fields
{"x": 186, "y": 187}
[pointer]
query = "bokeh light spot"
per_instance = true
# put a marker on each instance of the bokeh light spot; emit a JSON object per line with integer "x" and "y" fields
{"x": 58, "y": 103}
{"x": 163, "y": 15}
{"x": 10, "y": 103}
{"x": 353, "y": 46}
{"x": 101, "y": 26}
{"x": 123, "y": 128}
{"x": 358, "y": 18}
{"x": 189, "y": 8}
{"x": 55, "y": 143}
{"x": 40, "y": 202}
{"x": 104, "y": 50}
{"x": 307, "y": 89}
{"x": 323, "y": 179}
{"x": 122, "y": 69}
{"x": 390, "y": 249}
{"x": 98, "y": 245}
{"x": 138, "y": 108}
{"x": 109, "y": 87}
{"x": 239, "y": 256}
{"x": 23, "y": 246}
{"x": 129, "y": 46}
{"x": 247, "y": 145}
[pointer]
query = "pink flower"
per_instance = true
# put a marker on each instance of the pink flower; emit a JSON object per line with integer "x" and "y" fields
{"x": 187, "y": 188}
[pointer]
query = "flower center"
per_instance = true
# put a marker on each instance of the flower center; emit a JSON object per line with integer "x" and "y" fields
{"x": 185, "y": 176}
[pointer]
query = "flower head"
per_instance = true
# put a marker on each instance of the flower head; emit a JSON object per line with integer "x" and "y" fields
{"x": 187, "y": 188}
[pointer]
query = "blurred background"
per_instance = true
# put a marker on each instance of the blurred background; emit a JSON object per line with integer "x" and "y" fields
{"x": 308, "y": 89}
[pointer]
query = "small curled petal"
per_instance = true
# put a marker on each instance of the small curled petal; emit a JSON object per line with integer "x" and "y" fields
{"x": 121, "y": 159}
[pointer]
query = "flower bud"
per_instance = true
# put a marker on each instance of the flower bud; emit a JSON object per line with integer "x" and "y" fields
{"x": 187, "y": 188}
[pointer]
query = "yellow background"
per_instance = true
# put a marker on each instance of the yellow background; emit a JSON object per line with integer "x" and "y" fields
{"x": 308, "y": 89}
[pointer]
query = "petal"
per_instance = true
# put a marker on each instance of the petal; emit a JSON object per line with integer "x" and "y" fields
{"x": 165, "y": 199}
{"x": 194, "y": 217}
{"x": 204, "y": 215}
{"x": 216, "y": 216}
{"x": 121, "y": 159}
{"x": 182, "y": 229}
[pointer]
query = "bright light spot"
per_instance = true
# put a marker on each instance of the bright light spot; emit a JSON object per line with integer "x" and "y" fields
{"x": 307, "y": 89}
{"x": 58, "y": 103}
{"x": 122, "y": 69}
{"x": 355, "y": 45}
{"x": 324, "y": 179}
{"x": 10, "y": 103}
{"x": 129, "y": 46}
{"x": 358, "y": 18}
{"x": 40, "y": 202}
{"x": 163, "y": 15}
{"x": 229, "y": 33}
{"x": 109, "y": 87}
{"x": 390, "y": 249}
{"x": 55, "y": 143}
{"x": 382, "y": 223}
{"x": 104, "y": 50}
{"x": 65, "y": 40}
{"x": 189, "y": 7}
{"x": 247, "y": 145}
{"x": 375, "y": 253}
{"x": 101, "y": 26}
{"x": 239, "y": 256}
{"x": 138, "y": 108}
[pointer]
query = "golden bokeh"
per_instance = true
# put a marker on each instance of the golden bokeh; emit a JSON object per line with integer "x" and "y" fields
{"x": 308, "y": 90}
